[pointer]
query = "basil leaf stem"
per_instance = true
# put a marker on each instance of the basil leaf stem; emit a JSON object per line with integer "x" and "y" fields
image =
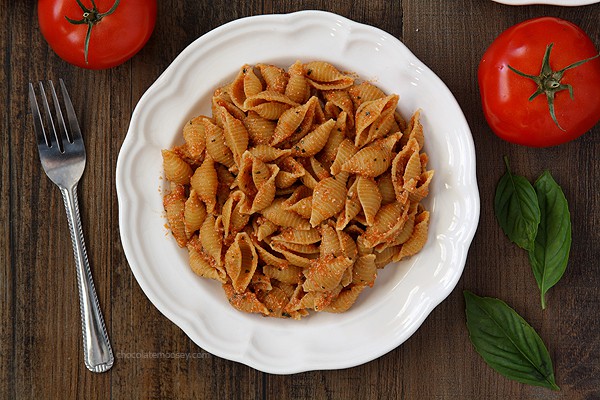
{"x": 517, "y": 209}
{"x": 550, "y": 254}
{"x": 507, "y": 342}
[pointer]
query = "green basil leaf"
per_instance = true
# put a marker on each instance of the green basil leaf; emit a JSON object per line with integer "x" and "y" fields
{"x": 550, "y": 254}
{"x": 507, "y": 342}
{"x": 517, "y": 209}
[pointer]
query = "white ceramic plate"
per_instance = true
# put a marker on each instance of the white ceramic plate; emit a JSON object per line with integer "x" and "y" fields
{"x": 404, "y": 294}
{"x": 551, "y": 2}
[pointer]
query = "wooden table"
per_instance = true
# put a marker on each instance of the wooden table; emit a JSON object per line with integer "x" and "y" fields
{"x": 40, "y": 339}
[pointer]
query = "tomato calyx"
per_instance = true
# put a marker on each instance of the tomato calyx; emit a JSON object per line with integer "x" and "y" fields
{"x": 549, "y": 81}
{"x": 91, "y": 18}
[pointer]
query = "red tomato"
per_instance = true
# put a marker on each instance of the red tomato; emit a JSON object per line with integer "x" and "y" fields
{"x": 505, "y": 94}
{"x": 118, "y": 29}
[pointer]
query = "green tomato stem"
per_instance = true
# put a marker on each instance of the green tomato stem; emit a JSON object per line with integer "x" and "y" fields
{"x": 548, "y": 81}
{"x": 91, "y": 18}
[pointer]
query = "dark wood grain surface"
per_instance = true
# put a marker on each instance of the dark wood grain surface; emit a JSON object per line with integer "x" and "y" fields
{"x": 40, "y": 339}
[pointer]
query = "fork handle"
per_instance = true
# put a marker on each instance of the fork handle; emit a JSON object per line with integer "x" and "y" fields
{"x": 98, "y": 355}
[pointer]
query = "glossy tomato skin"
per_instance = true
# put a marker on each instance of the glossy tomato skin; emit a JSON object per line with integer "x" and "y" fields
{"x": 114, "y": 39}
{"x": 505, "y": 94}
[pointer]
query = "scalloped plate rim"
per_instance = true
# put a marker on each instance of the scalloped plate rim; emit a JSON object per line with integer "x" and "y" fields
{"x": 147, "y": 282}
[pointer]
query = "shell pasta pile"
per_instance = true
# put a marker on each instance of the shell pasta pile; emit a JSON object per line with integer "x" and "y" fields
{"x": 297, "y": 189}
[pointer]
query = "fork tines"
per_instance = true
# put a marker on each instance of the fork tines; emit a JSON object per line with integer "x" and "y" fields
{"x": 56, "y": 132}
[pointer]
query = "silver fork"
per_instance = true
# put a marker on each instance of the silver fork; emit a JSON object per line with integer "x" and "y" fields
{"x": 62, "y": 154}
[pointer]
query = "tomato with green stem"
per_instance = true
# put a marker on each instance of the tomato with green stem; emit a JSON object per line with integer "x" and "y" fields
{"x": 540, "y": 83}
{"x": 96, "y": 34}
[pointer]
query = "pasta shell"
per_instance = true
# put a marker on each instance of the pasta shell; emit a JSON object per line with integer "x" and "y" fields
{"x": 277, "y": 214}
{"x": 400, "y": 162}
{"x": 260, "y": 130}
{"x": 314, "y": 141}
{"x": 415, "y": 129}
{"x": 419, "y": 189}
{"x": 317, "y": 169}
{"x": 260, "y": 173}
{"x": 264, "y": 228}
{"x": 309, "y": 249}
{"x": 246, "y": 302}
{"x": 202, "y": 266}
{"x": 194, "y": 213}
{"x": 297, "y": 120}
{"x": 195, "y": 137}
{"x": 418, "y": 238}
{"x": 299, "y": 202}
{"x": 290, "y": 235}
{"x": 325, "y": 273}
{"x": 270, "y": 110}
{"x": 244, "y": 179}
{"x": 221, "y": 104}
{"x": 268, "y": 153}
{"x": 386, "y": 188}
{"x": 275, "y": 300}
{"x": 347, "y": 245}
{"x": 328, "y": 199}
{"x": 241, "y": 261}
{"x": 176, "y": 170}
{"x": 289, "y": 172}
{"x": 389, "y": 220}
{"x": 336, "y": 136}
{"x": 345, "y": 152}
{"x": 407, "y": 229}
{"x": 237, "y": 90}
{"x": 350, "y": 211}
{"x": 236, "y": 136}
{"x": 364, "y": 270}
{"x": 266, "y": 190}
{"x": 369, "y": 197}
{"x": 260, "y": 282}
{"x": 386, "y": 256}
{"x": 347, "y": 277}
{"x": 205, "y": 183}
{"x": 412, "y": 171}
{"x": 269, "y": 104}
{"x": 275, "y": 77}
{"x": 341, "y": 99}
{"x": 299, "y": 260}
{"x": 297, "y": 88}
{"x": 370, "y": 161}
{"x": 233, "y": 218}
{"x": 364, "y": 92}
{"x": 215, "y": 144}
{"x": 330, "y": 242}
{"x": 252, "y": 83}
{"x": 324, "y": 76}
{"x": 316, "y": 300}
{"x": 345, "y": 299}
{"x": 363, "y": 247}
{"x": 211, "y": 237}
{"x": 400, "y": 122}
{"x": 174, "y": 205}
{"x": 374, "y": 113}
{"x": 269, "y": 258}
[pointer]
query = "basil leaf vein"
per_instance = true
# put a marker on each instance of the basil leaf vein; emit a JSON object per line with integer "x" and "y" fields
{"x": 507, "y": 343}
{"x": 550, "y": 254}
{"x": 517, "y": 209}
